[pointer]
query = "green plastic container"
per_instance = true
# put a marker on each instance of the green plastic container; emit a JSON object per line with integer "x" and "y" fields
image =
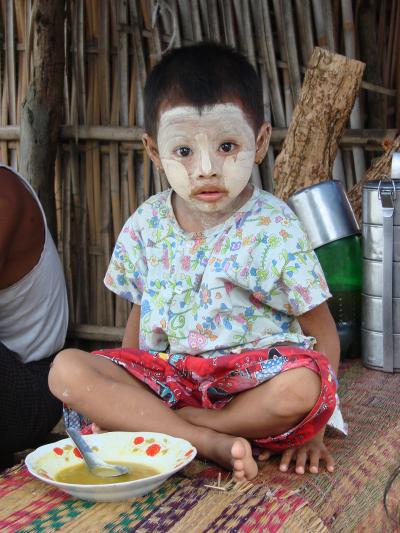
{"x": 341, "y": 261}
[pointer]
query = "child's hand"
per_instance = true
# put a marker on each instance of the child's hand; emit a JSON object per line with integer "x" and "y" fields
{"x": 311, "y": 453}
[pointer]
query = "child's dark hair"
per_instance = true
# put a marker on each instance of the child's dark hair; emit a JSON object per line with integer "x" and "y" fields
{"x": 202, "y": 75}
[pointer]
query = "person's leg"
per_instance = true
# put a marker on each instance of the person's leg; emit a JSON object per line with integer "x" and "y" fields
{"x": 28, "y": 410}
{"x": 268, "y": 409}
{"x": 114, "y": 400}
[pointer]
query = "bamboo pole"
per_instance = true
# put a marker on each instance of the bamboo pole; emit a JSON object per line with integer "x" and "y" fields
{"x": 77, "y": 210}
{"x": 103, "y": 60}
{"x": 229, "y": 26}
{"x": 237, "y": 8}
{"x": 156, "y": 41}
{"x": 204, "y": 19}
{"x": 131, "y": 182}
{"x": 81, "y": 71}
{"x": 177, "y": 41}
{"x": 328, "y": 16}
{"x": 304, "y": 19}
{"x": 10, "y": 59}
{"x": 355, "y": 117}
{"x": 185, "y": 9}
{"x": 196, "y": 22}
{"x": 22, "y": 80}
{"x": 287, "y": 93}
{"x": 320, "y": 24}
{"x": 265, "y": 41}
{"x": 396, "y": 46}
{"x": 83, "y": 266}
{"x": 289, "y": 42}
{"x": 58, "y": 197}
{"x": 4, "y": 118}
{"x": 115, "y": 191}
{"x": 213, "y": 20}
{"x": 105, "y": 235}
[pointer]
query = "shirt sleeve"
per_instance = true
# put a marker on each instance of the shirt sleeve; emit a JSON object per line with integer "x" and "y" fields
{"x": 127, "y": 271}
{"x": 284, "y": 269}
{"x": 301, "y": 285}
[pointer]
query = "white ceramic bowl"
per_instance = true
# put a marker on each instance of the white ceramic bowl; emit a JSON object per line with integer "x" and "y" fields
{"x": 164, "y": 453}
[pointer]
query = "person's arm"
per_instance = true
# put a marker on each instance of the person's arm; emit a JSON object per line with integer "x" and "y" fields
{"x": 10, "y": 216}
{"x": 131, "y": 335}
{"x": 319, "y": 323}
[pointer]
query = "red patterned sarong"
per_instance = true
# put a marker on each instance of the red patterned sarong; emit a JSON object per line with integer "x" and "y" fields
{"x": 185, "y": 380}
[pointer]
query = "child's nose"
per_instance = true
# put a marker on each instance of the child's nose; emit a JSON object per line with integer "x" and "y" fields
{"x": 206, "y": 165}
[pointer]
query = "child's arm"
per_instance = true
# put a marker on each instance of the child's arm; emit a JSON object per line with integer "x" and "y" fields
{"x": 131, "y": 335}
{"x": 319, "y": 323}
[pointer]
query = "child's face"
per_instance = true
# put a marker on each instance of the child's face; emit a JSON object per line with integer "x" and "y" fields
{"x": 208, "y": 157}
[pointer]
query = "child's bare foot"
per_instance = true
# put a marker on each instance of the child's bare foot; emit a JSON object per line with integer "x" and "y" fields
{"x": 232, "y": 453}
{"x": 243, "y": 463}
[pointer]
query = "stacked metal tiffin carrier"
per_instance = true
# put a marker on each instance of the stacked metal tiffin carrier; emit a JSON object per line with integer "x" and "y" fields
{"x": 380, "y": 325}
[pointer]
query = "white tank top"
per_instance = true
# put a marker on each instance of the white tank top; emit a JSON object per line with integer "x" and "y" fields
{"x": 34, "y": 311}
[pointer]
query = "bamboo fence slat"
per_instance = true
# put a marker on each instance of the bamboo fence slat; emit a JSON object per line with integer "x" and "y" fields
{"x": 355, "y": 117}
{"x": 157, "y": 45}
{"x": 213, "y": 20}
{"x": 320, "y": 24}
{"x": 328, "y": 15}
{"x": 229, "y": 26}
{"x": 289, "y": 38}
{"x": 102, "y": 173}
{"x": 10, "y": 40}
{"x": 105, "y": 235}
{"x": 304, "y": 25}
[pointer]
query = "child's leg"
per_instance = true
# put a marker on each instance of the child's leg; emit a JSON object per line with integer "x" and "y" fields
{"x": 269, "y": 409}
{"x": 108, "y": 395}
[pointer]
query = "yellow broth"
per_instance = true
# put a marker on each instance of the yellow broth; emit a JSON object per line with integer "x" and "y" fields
{"x": 80, "y": 474}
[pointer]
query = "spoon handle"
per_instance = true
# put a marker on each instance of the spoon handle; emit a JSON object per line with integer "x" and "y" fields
{"x": 83, "y": 447}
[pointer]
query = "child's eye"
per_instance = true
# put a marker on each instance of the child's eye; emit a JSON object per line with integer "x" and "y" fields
{"x": 227, "y": 147}
{"x": 183, "y": 151}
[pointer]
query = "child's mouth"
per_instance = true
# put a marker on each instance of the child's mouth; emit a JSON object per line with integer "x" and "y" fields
{"x": 210, "y": 196}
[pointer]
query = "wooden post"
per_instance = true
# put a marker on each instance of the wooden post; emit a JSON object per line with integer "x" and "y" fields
{"x": 329, "y": 89}
{"x": 42, "y": 108}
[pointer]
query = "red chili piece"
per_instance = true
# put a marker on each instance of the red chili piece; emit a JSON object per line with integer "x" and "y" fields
{"x": 138, "y": 440}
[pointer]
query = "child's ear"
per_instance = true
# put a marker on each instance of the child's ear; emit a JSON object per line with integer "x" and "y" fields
{"x": 151, "y": 149}
{"x": 262, "y": 142}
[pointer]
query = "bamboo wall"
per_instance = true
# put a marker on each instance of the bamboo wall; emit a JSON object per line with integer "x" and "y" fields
{"x": 102, "y": 173}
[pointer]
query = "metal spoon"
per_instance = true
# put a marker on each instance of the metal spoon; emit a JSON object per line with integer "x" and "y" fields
{"x": 96, "y": 465}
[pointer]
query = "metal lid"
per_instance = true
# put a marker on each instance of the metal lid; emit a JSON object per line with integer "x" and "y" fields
{"x": 325, "y": 212}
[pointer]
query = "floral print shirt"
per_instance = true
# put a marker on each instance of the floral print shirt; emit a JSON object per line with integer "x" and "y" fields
{"x": 237, "y": 286}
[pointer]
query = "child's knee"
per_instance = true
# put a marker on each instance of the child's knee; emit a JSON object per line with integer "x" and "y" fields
{"x": 61, "y": 374}
{"x": 297, "y": 394}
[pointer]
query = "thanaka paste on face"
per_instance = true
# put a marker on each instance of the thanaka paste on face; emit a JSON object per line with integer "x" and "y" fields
{"x": 207, "y": 166}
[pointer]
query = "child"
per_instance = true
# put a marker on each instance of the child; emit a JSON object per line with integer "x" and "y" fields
{"x": 228, "y": 296}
